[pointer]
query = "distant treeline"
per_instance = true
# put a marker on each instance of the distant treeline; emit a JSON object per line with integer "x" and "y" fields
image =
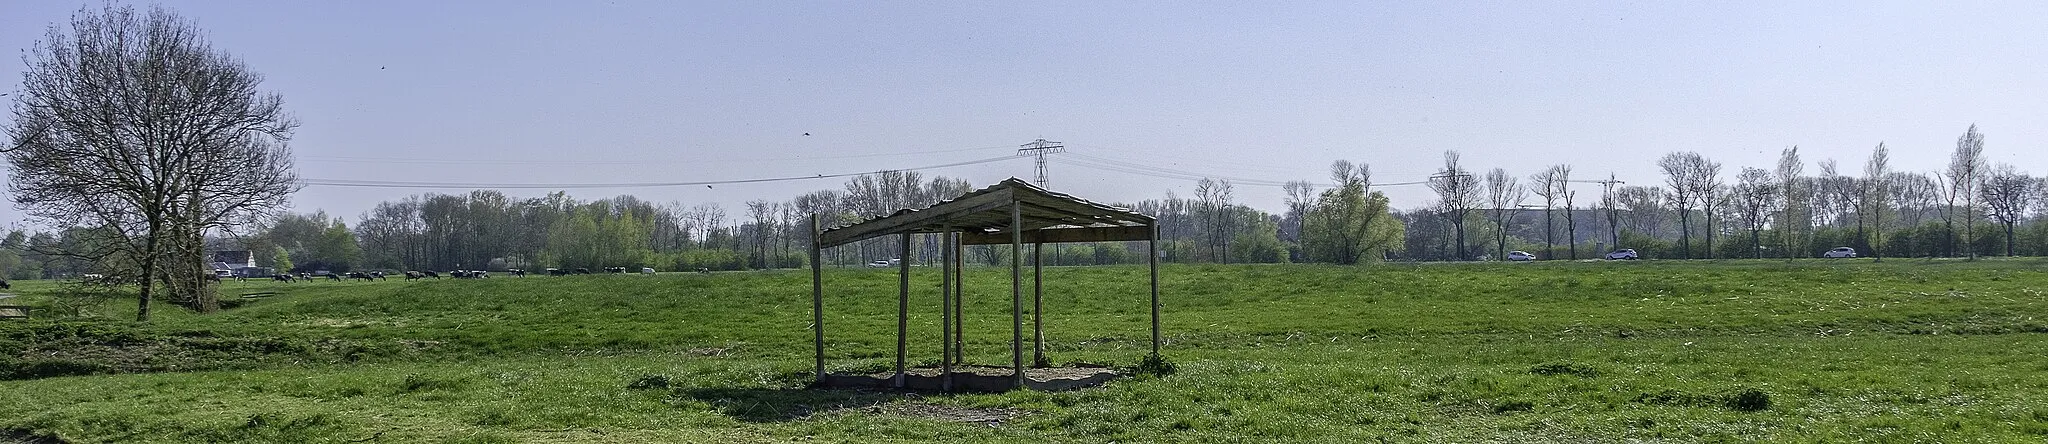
{"x": 1963, "y": 211}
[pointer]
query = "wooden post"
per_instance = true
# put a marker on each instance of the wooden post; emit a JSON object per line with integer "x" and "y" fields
{"x": 1038, "y": 305}
{"x": 1152, "y": 256}
{"x": 1017, "y": 293}
{"x": 946, "y": 312}
{"x": 818, "y": 298}
{"x": 959, "y": 302}
{"x": 902, "y": 307}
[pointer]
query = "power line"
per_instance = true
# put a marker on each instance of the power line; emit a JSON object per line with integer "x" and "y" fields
{"x": 1113, "y": 165}
{"x": 469, "y": 161}
{"x": 410, "y": 184}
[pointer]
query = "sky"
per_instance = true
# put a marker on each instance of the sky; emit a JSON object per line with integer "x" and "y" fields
{"x": 662, "y": 92}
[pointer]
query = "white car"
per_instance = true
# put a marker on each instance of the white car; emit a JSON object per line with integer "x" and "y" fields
{"x": 884, "y": 263}
{"x": 1625, "y": 253}
{"x": 1519, "y": 256}
{"x": 1839, "y": 252}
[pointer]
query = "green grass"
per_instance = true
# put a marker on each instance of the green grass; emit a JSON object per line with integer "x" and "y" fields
{"x": 1726, "y": 351}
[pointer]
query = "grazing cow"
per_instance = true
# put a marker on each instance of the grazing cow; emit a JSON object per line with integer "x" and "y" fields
{"x": 5, "y": 286}
{"x": 615, "y": 270}
{"x": 333, "y": 277}
{"x": 581, "y": 270}
{"x": 281, "y": 277}
{"x": 211, "y": 277}
{"x": 411, "y": 275}
{"x": 304, "y": 276}
{"x": 702, "y": 270}
{"x": 516, "y": 272}
{"x": 377, "y": 274}
{"x": 431, "y": 274}
{"x": 557, "y": 272}
{"x": 360, "y": 275}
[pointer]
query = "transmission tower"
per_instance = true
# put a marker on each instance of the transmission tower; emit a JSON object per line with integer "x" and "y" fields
{"x": 1040, "y": 148}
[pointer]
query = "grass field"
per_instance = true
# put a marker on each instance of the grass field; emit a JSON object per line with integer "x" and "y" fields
{"x": 1655, "y": 351}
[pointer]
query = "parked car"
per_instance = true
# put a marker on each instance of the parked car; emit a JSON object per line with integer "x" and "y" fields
{"x": 1623, "y": 254}
{"x": 1519, "y": 255}
{"x": 1839, "y": 252}
{"x": 884, "y": 263}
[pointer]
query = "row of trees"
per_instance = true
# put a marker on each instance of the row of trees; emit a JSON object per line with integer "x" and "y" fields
{"x": 1693, "y": 214}
{"x": 1778, "y": 212}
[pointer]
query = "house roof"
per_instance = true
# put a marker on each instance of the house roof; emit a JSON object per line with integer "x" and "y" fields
{"x": 983, "y": 216}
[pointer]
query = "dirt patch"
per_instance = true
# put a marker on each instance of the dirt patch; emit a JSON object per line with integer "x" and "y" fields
{"x": 976, "y": 379}
{"x": 978, "y": 415}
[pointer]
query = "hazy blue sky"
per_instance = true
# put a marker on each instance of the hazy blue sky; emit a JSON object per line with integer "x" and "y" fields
{"x": 585, "y": 92}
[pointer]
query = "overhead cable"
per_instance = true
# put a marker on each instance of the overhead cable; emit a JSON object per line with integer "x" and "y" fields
{"x": 410, "y": 184}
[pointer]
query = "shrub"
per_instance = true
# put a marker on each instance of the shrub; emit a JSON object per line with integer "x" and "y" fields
{"x": 1155, "y": 365}
{"x": 1749, "y": 399}
{"x": 649, "y": 382}
{"x": 1565, "y": 368}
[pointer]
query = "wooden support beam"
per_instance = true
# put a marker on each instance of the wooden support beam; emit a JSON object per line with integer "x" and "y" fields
{"x": 959, "y": 303}
{"x": 1017, "y": 293}
{"x": 1064, "y": 235}
{"x": 818, "y": 297}
{"x": 946, "y": 277}
{"x": 902, "y": 308}
{"x": 1038, "y": 306}
{"x": 1152, "y": 257}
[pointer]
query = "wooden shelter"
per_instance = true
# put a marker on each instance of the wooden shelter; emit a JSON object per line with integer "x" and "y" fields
{"x": 1012, "y": 212}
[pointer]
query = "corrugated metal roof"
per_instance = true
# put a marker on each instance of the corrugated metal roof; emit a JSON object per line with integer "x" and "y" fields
{"x": 987, "y": 211}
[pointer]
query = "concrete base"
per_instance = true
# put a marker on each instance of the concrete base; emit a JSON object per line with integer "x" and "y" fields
{"x": 976, "y": 379}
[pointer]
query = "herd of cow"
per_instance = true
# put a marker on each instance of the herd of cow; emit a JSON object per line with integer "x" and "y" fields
{"x": 429, "y": 274}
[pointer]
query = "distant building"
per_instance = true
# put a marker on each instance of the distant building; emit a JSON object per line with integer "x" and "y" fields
{"x": 234, "y": 259}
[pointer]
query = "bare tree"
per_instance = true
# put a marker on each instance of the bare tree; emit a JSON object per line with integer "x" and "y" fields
{"x": 1877, "y": 185}
{"x": 1795, "y": 218}
{"x": 1914, "y": 195}
{"x": 1457, "y": 192}
{"x": 1755, "y": 198}
{"x": 1965, "y": 170}
{"x": 1571, "y": 223}
{"x": 1613, "y": 215}
{"x": 132, "y": 122}
{"x": 2006, "y": 193}
{"x": 1713, "y": 197}
{"x": 1301, "y": 197}
{"x": 1562, "y": 189}
{"x": 1546, "y": 185}
{"x": 1215, "y": 198}
{"x": 1690, "y": 176}
{"x": 1834, "y": 196}
{"x": 1505, "y": 196}
{"x": 1645, "y": 208}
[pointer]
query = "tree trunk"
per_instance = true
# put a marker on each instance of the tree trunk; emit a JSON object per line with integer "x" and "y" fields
{"x": 1756, "y": 244}
{"x": 1684, "y": 233}
{"x": 2008, "y": 239}
{"x": 1548, "y": 245}
{"x": 148, "y": 269}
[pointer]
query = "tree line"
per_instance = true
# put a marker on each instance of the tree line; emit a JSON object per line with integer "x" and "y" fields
{"x": 1968, "y": 208}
